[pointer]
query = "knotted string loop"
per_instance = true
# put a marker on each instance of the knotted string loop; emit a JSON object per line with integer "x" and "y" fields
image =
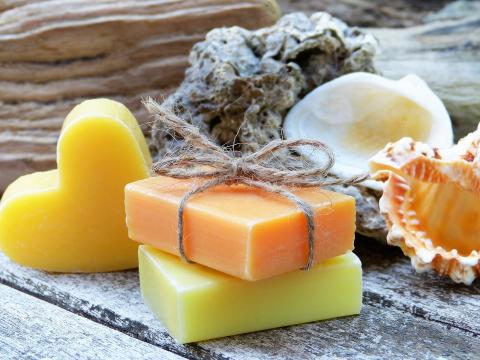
{"x": 272, "y": 168}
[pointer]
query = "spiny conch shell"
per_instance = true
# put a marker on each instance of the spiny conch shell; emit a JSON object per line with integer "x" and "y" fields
{"x": 431, "y": 202}
{"x": 359, "y": 113}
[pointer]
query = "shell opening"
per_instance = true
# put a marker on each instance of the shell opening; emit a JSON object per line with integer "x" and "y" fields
{"x": 357, "y": 114}
{"x": 431, "y": 202}
{"x": 445, "y": 214}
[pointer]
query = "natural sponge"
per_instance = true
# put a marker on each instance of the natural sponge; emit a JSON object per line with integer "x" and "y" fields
{"x": 241, "y": 83}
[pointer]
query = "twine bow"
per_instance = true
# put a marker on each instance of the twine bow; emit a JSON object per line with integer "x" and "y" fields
{"x": 269, "y": 169}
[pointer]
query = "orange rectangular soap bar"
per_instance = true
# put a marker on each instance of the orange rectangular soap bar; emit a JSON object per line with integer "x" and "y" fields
{"x": 239, "y": 230}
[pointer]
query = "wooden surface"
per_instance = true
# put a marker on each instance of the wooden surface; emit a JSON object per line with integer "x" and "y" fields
{"x": 54, "y": 54}
{"x": 33, "y": 328}
{"x": 126, "y": 50}
{"x": 405, "y": 315}
{"x": 377, "y": 13}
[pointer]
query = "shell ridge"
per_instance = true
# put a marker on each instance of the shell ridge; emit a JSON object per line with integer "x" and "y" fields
{"x": 418, "y": 177}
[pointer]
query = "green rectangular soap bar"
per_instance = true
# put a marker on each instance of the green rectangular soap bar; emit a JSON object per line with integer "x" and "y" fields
{"x": 196, "y": 303}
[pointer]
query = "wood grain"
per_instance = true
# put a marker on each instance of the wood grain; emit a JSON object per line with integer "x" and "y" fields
{"x": 375, "y": 13}
{"x": 405, "y": 315}
{"x": 50, "y": 62}
{"x": 34, "y": 329}
{"x": 53, "y": 54}
{"x": 391, "y": 282}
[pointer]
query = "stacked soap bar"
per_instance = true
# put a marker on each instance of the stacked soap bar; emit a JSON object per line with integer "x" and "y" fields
{"x": 241, "y": 231}
{"x": 197, "y": 303}
{"x": 251, "y": 244}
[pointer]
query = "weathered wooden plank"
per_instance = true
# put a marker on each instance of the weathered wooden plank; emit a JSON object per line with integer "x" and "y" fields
{"x": 376, "y": 333}
{"x": 378, "y": 13}
{"x": 55, "y": 54}
{"x": 34, "y": 329}
{"x": 391, "y": 324}
{"x": 111, "y": 299}
{"x": 391, "y": 282}
{"x": 134, "y": 48}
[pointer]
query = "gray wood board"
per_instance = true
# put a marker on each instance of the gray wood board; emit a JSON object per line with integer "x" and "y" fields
{"x": 34, "y": 329}
{"x": 391, "y": 282}
{"x": 405, "y": 314}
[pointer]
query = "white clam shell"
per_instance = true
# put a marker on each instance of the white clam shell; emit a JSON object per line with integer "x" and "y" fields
{"x": 359, "y": 113}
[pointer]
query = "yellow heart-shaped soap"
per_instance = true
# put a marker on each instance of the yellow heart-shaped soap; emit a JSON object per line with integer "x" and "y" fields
{"x": 72, "y": 219}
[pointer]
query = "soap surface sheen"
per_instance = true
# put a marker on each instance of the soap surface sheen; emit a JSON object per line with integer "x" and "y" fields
{"x": 196, "y": 303}
{"x": 72, "y": 219}
{"x": 239, "y": 230}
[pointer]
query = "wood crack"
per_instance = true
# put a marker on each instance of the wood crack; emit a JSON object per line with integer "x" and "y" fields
{"x": 63, "y": 62}
{"x": 379, "y": 301}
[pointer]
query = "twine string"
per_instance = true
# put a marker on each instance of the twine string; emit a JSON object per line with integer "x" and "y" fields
{"x": 270, "y": 168}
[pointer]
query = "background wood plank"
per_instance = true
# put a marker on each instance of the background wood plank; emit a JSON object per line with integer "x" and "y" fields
{"x": 143, "y": 45}
{"x": 55, "y": 54}
{"x": 34, "y": 329}
{"x": 399, "y": 316}
{"x": 378, "y": 13}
